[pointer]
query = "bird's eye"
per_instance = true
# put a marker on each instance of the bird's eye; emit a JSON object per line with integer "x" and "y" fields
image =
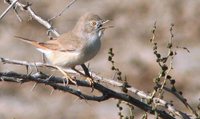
{"x": 93, "y": 23}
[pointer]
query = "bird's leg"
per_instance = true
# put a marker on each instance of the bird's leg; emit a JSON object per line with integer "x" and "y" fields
{"x": 87, "y": 74}
{"x": 86, "y": 70}
{"x": 66, "y": 75}
{"x": 88, "y": 78}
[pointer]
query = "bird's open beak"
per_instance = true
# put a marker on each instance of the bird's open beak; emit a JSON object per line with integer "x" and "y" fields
{"x": 106, "y": 21}
{"x": 104, "y": 26}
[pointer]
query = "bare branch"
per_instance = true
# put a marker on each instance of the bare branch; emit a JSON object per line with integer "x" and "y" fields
{"x": 43, "y": 22}
{"x": 56, "y": 82}
{"x": 140, "y": 94}
{"x": 6, "y": 11}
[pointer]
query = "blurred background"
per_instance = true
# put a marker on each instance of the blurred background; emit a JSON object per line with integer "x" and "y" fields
{"x": 133, "y": 21}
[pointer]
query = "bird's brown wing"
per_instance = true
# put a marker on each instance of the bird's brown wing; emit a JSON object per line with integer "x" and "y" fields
{"x": 32, "y": 42}
{"x": 65, "y": 42}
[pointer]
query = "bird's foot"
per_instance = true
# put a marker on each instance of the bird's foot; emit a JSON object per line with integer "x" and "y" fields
{"x": 91, "y": 82}
{"x": 67, "y": 76}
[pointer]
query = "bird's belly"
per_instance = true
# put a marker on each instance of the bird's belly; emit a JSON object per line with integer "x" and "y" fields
{"x": 65, "y": 59}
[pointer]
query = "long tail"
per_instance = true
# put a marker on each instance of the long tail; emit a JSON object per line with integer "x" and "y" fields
{"x": 32, "y": 42}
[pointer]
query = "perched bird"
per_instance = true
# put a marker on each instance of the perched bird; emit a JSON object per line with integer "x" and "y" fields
{"x": 75, "y": 47}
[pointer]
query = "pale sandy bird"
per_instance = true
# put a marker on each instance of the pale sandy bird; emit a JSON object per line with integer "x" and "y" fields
{"x": 75, "y": 47}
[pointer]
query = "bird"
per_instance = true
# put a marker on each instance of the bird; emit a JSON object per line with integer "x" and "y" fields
{"x": 75, "y": 47}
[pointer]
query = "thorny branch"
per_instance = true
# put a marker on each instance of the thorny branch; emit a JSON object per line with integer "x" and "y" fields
{"x": 98, "y": 79}
{"x": 56, "y": 82}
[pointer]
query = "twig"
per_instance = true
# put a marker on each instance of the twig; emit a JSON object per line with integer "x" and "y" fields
{"x": 169, "y": 55}
{"x": 182, "y": 99}
{"x": 62, "y": 11}
{"x": 10, "y": 6}
{"x": 43, "y": 22}
{"x": 18, "y": 17}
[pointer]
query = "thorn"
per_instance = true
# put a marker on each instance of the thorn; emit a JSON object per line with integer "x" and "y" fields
{"x": 114, "y": 75}
{"x": 2, "y": 79}
{"x": 16, "y": 13}
{"x": 27, "y": 67}
{"x": 49, "y": 77}
{"x": 27, "y": 5}
{"x": 36, "y": 67}
{"x": 28, "y": 74}
{"x": 34, "y": 87}
{"x": 52, "y": 91}
{"x": 76, "y": 99}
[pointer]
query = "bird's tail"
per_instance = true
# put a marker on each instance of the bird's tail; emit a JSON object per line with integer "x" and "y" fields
{"x": 32, "y": 42}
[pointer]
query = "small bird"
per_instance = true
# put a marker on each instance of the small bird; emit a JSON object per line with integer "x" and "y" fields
{"x": 75, "y": 47}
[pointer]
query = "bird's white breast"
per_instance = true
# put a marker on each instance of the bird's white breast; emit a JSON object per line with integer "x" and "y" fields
{"x": 92, "y": 47}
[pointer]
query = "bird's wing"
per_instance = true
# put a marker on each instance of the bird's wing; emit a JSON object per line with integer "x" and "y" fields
{"x": 32, "y": 42}
{"x": 65, "y": 42}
